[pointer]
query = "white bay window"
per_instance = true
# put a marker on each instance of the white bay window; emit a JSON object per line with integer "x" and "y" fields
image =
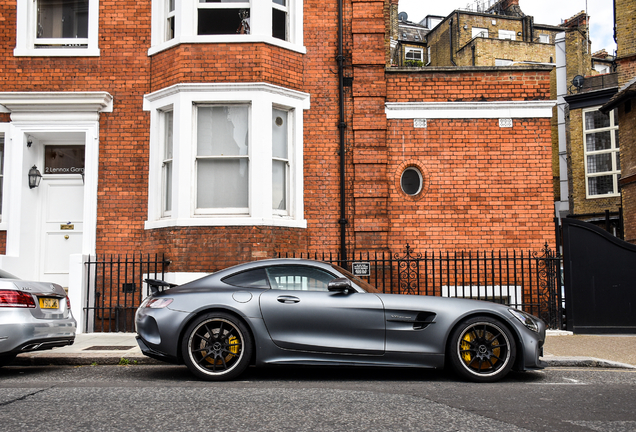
{"x": 235, "y": 155}
{"x": 276, "y": 22}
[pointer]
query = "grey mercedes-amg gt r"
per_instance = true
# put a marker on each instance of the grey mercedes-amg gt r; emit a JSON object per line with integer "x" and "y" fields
{"x": 301, "y": 312}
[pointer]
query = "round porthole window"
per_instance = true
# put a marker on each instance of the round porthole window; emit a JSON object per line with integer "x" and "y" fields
{"x": 411, "y": 181}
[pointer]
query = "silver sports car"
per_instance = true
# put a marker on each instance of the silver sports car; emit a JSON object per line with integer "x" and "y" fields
{"x": 33, "y": 316}
{"x": 301, "y": 312}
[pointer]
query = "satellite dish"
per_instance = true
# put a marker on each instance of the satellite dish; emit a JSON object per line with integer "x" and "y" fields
{"x": 403, "y": 16}
{"x": 578, "y": 81}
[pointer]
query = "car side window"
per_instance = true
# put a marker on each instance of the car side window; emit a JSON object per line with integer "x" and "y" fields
{"x": 299, "y": 278}
{"x": 256, "y": 278}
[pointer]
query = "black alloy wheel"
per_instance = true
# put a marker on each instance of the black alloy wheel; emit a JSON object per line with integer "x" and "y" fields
{"x": 482, "y": 349}
{"x": 217, "y": 346}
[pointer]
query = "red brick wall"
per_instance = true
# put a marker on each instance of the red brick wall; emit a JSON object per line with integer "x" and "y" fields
{"x": 198, "y": 63}
{"x": 485, "y": 187}
{"x": 468, "y": 85}
{"x": 204, "y": 249}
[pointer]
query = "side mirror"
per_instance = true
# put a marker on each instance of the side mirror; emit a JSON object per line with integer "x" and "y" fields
{"x": 342, "y": 285}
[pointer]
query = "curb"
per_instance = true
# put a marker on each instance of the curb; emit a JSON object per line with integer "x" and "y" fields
{"x": 589, "y": 362}
{"x": 84, "y": 360}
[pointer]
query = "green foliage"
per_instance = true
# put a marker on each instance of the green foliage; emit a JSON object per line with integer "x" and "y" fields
{"x": 413, "y": 63}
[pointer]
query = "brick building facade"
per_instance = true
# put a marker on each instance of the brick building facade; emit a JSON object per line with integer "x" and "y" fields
{"x": 217, "y": 147}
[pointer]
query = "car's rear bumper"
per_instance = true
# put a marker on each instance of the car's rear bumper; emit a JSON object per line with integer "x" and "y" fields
{"x": 146, "y": 350}
{"x": 32, "y": 334}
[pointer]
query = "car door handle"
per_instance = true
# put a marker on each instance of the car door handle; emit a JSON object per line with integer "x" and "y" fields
{"x": 287, "y": 299}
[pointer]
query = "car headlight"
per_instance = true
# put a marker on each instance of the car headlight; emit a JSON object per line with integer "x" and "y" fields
{"x": 155, "y": 303}
{"x": 526, "y": 319}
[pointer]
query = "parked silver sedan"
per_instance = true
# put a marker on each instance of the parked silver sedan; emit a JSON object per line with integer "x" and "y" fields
{"x": 33, "y": 316}
{"x": 301, "y": 312}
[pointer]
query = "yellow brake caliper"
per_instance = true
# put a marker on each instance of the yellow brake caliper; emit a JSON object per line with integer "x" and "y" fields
{"x": 234, "y": 348}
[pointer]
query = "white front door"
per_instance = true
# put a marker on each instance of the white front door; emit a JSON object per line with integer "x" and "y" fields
{"x": 62, "y": 226}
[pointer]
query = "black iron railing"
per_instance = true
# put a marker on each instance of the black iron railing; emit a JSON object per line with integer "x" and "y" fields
{"x": 116, "y": 288}
{"x": 525, "y": 280}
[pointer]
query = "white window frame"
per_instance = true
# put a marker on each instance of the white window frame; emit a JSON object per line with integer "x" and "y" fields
{"x": 288, "y": 160}
{"x": 428, "y": 56}
{"x": 283, "y": 8}
{"x": 544, "y": 38}
{"x": 408, "y": 50}
{"x": 169, "y": 21}
{"x": 26, "y": 41}
{"x": 262, "y": 98}
{"x": 3, "y": 139}
{"x": 614, "y": 151}
{"x": 186, "y": 18}
{"x": 507, "y": 34}
{"x": 479, "y": 32}
{"x": 167, "y": 162}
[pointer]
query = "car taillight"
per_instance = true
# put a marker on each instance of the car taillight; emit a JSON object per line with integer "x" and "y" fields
{"x": 10, "y": 298}
{"x": 68, "y": 303}
{"x": 158, "y": 303}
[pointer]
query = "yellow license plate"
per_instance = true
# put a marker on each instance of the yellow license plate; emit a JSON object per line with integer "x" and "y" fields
{"x": 49, "y": 303}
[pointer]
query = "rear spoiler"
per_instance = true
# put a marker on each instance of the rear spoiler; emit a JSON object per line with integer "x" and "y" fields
{"x": 157, "y": 285}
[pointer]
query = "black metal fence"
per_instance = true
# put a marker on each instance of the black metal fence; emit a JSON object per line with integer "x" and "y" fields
{"x": 530, "y": 281}
{"x": 525, "y": 280}
{"x": 116, "y": 288}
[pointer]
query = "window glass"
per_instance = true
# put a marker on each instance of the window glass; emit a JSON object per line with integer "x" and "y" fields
{"x": 299, "y": 278}
{"x": 280, "y": 161}
{"x": 256, "y": 278}
{"x": 62, "y": 19}
{"x": 170, "y": 19}
{"x": 411, "y": 181}
{"x": 64, "y": 159}
{"x": 216, "y": 17}
{"x": 168, "y": 121}
{"x": 222, "y": 162}
{"x": 414, "y": 54}
{"x": 596, "y": 120}
{"x": 602, "y": 158}
{"x": 279, "y": 20}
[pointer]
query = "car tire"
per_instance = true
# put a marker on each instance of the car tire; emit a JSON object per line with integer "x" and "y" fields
{"x": 482, "y": 349}
{"x": 217, "y": 346}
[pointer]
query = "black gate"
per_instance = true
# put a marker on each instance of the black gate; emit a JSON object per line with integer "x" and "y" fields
{"x": 600, "y": 280}
{"x": 115, "y": 286}
{"x": 525, "y": 280}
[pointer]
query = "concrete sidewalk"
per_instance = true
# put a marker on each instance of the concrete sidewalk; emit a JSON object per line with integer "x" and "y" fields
{"x": 561, "y": 349}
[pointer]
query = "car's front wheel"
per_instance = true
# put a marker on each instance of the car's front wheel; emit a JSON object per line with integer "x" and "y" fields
{"x": 482, "y": 349}
{"x": 217, "y": 346}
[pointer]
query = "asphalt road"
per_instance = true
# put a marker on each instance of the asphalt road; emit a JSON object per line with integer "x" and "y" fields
{"x": 168, "y": 398}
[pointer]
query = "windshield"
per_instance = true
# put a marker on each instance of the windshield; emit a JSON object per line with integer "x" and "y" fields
{"x": 362, "y": 284}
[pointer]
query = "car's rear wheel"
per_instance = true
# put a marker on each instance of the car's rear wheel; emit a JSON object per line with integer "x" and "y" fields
{"x": 217, "y": 346}
{"x": 482, "y": 349}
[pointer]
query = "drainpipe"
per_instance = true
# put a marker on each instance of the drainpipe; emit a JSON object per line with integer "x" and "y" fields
{"x": 450, "y": 37}
{"x": 342, "y": 126}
